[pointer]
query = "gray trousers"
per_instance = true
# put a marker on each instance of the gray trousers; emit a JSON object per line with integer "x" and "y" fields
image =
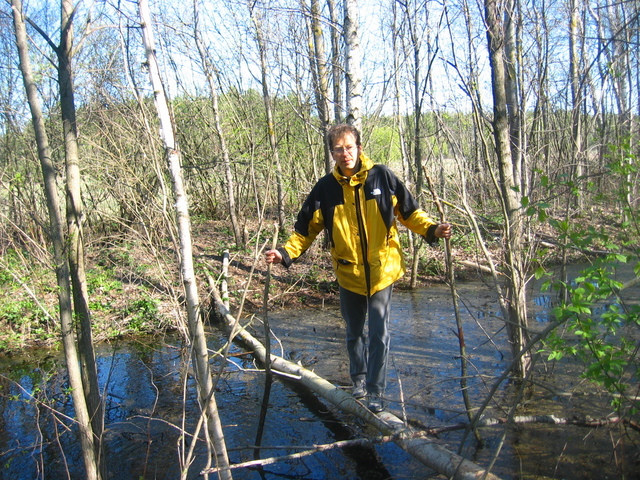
{"x": 367, "y": 359}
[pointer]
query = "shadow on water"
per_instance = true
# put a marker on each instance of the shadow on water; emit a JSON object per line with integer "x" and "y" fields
{"x": 150, "y": 396}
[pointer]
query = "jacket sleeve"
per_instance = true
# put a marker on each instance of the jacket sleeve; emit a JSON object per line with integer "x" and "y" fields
{"x": 309, "y": 224}
{"x": 411, "y": 215}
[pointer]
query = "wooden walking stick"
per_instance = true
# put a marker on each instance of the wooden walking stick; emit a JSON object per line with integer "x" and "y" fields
{"x": 267, "y": 345}
{"x": 450, "y": 275}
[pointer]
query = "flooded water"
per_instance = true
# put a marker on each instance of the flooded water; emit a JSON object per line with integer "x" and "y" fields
{"x": 150, "y": 397}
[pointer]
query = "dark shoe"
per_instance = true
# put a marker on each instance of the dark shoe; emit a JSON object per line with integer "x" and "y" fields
{"x": 360, "y": 389}
{"x": 376, "y": 404}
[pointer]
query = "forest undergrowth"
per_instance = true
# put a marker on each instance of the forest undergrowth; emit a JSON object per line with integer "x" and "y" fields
{"x": 134, "y": 288}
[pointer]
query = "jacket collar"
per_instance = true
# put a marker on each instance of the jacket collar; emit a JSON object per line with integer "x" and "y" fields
{"x": 365, "y": 165}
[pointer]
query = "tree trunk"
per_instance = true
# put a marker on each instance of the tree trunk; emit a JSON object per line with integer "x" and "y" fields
{"x": 336, "y": 71}
{"x": 512, "y": 90}
{"x": 576, "y": 94}
{"x": 271, "y": 133}
{"x": 208, "y": 71}
{"x": 353, "y": 67}
{"x": 196, "y": 329}
{"x": 508, "y": 186}
{"x": 89, "y": 442}
{"x": 75, "y": 221}
{"x": 318, "y": 61}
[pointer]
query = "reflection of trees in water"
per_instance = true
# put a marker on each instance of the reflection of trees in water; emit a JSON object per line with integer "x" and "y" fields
{"x": 147, "y": 381}
{"x": 367, "y": 463}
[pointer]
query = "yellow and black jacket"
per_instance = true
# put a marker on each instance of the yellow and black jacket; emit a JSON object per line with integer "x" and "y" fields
{"x": 359, "y": 214}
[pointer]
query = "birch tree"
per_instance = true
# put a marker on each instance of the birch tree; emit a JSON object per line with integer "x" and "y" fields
{"x": 353, "y": 63}
{"x": 196, "y": 329}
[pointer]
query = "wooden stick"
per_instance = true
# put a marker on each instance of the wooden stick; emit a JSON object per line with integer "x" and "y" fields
{"x": 451, "y": 279}
{"x": 267, "y": 345}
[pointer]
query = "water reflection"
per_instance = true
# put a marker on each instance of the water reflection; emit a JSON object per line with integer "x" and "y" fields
{"x": 150, "y": 396}
{"x": 144, "y": 412}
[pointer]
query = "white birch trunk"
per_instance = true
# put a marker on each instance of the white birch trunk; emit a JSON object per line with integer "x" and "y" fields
{"x": 353, "y": 64}
{"x": 196, "y": 329}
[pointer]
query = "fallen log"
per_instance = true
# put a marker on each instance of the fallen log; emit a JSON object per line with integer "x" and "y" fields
{"x": 424, "y": 450}
{"x": 477, "y": 266}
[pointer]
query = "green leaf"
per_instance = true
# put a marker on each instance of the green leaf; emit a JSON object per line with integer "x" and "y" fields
{"x": 542, "y": 215}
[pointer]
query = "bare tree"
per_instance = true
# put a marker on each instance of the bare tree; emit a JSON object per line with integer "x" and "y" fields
{"x": 576, "y": 80}
{"x": 336, "y": 69}
{"x": 196, "y": 330}
{"x": 320, "y": 73}
{"x": 353, "y": 63}
{"x": 88, "y": 413}
{"x": 508, "y": 187}
{"x": 209, "y": 73}
{"x": 76, "y": 217}
{"x": 271, "y": 133}
{"x": 621, "y": 20}
{"x": 513, "y": 88}
{"x": 417, "y": 54}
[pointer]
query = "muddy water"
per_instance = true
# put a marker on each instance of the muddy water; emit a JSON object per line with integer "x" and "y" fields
{"x": 145, "y": 390}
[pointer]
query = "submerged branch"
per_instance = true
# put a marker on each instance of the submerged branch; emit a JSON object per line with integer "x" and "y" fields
{"x": 587, "y": 422}
{"x": 310, "y": 450}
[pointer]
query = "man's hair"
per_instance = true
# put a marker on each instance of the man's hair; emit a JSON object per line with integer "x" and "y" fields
{"x": 338, "y": 131}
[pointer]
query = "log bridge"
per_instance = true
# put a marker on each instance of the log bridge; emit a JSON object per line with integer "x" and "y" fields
{"x": 420, "y": 447}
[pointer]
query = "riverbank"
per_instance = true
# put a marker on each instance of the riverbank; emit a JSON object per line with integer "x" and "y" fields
{"x": 134, "y": 285}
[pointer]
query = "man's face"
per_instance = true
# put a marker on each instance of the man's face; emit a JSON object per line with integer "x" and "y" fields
{"x": 347, "y": 154}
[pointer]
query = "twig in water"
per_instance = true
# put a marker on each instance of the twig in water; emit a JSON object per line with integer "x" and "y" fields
{"x": 312, "y": 450}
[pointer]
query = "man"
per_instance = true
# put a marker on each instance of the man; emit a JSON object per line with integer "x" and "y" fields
{"x": 357, "y": 204}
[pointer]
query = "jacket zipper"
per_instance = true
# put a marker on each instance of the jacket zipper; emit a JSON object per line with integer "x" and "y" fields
{"x": 363, "y": 237}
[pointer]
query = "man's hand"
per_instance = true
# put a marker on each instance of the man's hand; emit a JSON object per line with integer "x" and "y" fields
{"x": 442, "y": 231}
{"x": 273, "y": 256}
